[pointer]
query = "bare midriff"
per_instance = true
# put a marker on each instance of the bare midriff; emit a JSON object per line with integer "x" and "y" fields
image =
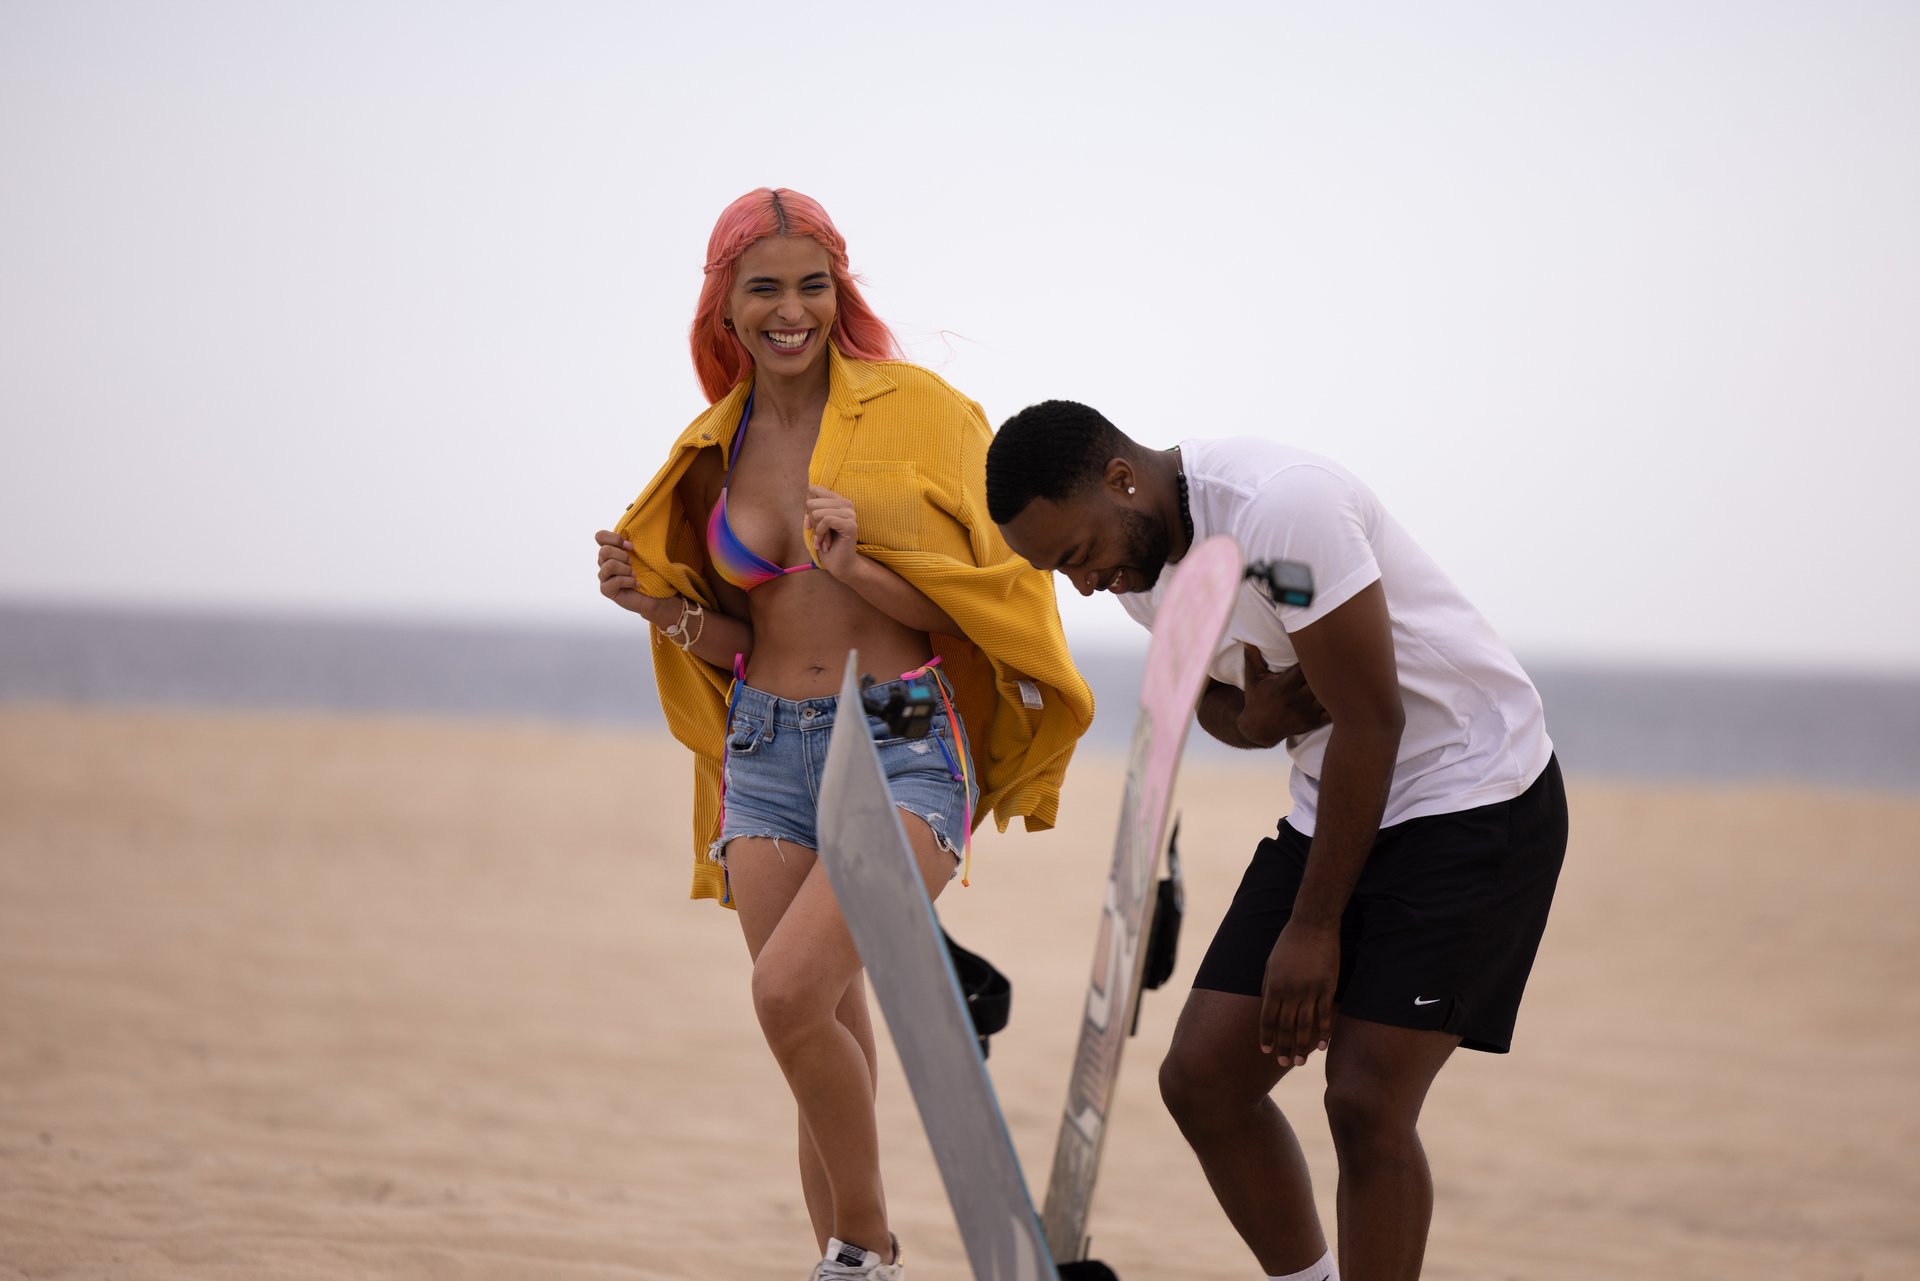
{"x": 803, "y": 626}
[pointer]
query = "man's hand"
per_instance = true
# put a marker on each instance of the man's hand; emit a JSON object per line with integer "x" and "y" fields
{"x": 1276, "y": 705}
{"x": 1296, "y": 997}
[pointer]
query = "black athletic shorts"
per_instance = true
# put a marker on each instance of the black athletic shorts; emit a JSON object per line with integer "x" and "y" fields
{"x": 1443, "y": 925}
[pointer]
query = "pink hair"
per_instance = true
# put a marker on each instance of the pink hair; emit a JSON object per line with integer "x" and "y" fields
{"x": 718, "y": 357}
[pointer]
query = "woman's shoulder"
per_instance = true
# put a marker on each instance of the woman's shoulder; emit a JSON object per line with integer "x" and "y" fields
{"x": 918, "y": 388}
{"x": 714, "y": 425}
{"x": 919, "y": 378}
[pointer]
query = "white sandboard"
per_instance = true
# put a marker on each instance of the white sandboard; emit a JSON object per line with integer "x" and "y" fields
{"x": 878, "y": 885}
{"x": 1187, "y": 628}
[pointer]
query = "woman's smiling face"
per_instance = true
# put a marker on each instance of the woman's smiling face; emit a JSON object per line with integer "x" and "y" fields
{"x": 782, "y": 305}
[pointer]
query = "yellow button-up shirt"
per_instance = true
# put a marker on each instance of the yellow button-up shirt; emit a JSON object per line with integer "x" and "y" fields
{"x": 910, "y": 452}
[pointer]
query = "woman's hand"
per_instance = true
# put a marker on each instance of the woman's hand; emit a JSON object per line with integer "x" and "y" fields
{"x": 617, "y": 585}
{"x": 836, "y": 549}
{"x": 836, "y": 541}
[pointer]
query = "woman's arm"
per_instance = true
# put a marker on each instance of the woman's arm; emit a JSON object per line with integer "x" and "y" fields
{"x": 706, "y": 632}
{"x": 830, "y": 518}
{"x": 711, "y": 633}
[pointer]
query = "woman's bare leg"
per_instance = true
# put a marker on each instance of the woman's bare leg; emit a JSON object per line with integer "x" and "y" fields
{"x": 813, "y": 1175}
{"x": 773, "y": 872}
{"x": 805, "y": 971}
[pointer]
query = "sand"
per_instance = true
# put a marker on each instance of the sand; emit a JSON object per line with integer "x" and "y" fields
{"x": 333, "y": 997}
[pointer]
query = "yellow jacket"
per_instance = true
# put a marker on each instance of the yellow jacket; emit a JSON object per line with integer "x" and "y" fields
{"x": 910, "y": 452}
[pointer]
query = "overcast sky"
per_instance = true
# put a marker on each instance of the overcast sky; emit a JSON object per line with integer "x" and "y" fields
{"x": 380, "y": 308}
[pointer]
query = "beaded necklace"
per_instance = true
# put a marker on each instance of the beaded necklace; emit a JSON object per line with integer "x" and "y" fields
{"x": 1180, "y": 477}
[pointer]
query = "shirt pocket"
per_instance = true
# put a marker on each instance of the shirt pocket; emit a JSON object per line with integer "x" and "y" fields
{"x": 886, "y": 501}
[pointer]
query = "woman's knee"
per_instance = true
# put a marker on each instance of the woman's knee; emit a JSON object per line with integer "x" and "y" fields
{"x": 789, "y": 1004}
{"x": 852, "y": 1014}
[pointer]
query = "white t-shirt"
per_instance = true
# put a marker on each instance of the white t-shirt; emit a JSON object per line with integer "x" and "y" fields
{"x": 1475, "y": 731}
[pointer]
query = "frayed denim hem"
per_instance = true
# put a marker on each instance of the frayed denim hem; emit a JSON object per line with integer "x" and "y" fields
{"x": 717, "y": 849}
{"x": 934, "y": 822}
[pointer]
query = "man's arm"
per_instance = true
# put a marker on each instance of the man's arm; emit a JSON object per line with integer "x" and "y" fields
{"x": 1347, "y": 657}
{"x": 1219, "y": 713}
{"x": 1279, "y": 705}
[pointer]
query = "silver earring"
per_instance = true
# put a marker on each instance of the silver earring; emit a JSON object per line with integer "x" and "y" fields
{"x": 1129, "y": 489}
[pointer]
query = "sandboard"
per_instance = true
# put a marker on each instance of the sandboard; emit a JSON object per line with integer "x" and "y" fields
{"x": 877, "y": 883}
{"x": 1187, "y": 628}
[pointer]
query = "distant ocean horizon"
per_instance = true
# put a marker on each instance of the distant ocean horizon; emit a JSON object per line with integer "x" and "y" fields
{"x": 1638, "y": 723}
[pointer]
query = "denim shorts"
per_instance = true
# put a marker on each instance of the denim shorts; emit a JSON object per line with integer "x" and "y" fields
{"x": 777, "y": 750}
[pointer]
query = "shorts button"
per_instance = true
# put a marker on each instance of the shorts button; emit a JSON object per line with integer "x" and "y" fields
{"x": 806, "y": 713}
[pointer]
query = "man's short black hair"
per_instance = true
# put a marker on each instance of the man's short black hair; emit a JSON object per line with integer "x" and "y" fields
{"x": 1052, "y": 450}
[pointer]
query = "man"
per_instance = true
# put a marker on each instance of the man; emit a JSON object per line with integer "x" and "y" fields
{"x": 1395, "y": 913}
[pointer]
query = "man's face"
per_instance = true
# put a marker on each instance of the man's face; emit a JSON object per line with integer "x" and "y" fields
{"x": 1098, "y": 542}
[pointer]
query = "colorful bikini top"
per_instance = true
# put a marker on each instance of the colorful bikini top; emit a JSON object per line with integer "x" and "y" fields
{"x": 732, "y": 559}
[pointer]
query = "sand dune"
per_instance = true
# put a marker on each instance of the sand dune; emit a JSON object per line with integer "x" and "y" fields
{"x": 288, "y": 997}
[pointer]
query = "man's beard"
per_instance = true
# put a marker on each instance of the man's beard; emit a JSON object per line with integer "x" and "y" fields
{"x": 1148, "y": 546}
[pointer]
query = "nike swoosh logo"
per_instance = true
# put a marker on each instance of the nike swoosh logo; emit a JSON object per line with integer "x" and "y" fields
{"x": 1429, "y": 1001}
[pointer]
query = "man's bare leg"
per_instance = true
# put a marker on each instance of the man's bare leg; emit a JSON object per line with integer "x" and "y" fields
{"x": 1377, "y": 1080}
{"x": 1216, "y": 1083}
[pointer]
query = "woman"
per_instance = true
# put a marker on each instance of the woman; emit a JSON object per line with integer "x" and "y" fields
{"x": 832, "y": 496}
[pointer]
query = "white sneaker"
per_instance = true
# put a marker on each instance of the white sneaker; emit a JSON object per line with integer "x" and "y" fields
{"x": 846, "y": 1262}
